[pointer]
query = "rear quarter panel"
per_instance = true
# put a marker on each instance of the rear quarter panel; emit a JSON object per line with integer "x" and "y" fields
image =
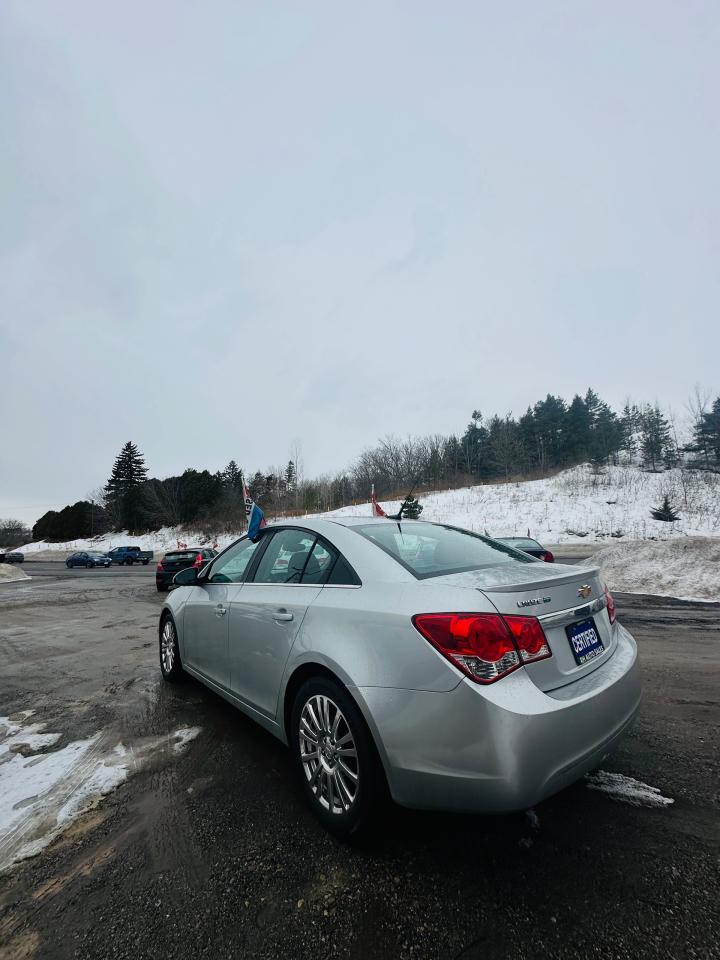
{"x": 365, "y": 634}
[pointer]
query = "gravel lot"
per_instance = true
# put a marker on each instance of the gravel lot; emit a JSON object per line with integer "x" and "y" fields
{"x": 211, "y": 852}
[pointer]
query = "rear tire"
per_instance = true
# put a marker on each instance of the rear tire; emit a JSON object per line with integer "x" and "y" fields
{"x": 170, "y": 663}
{"x": 145, "y": 562}
{"x": 335, "y": 757}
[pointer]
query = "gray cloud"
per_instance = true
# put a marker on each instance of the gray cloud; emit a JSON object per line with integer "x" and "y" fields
{"x": 223, "y": 229}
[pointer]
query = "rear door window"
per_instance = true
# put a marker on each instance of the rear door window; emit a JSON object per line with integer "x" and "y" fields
{"x": 232, "y": 565}
{"x": 285, "y": 558}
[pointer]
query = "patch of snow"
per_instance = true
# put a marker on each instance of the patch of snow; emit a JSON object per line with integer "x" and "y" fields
{"x": 183, "y": 736}
{"x": 16, "y": 735}
{"x": 686, "y": 569}
{"x": 627, "y": 790}
{"x": 42, "y": 793}
{"x": 11, "y": 572}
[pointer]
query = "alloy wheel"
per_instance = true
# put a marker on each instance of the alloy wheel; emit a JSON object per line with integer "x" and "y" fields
{"x": 328, "y": 754}
{"x": 167, "y": 646}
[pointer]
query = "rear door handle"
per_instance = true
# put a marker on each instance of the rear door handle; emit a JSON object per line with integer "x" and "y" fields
{"x": 282, "y": 614}
{"x": 220, "y": 610}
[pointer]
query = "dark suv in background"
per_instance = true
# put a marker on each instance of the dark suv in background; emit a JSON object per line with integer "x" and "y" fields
{"x": 176, "y": 560}
{"x": 12, "y": 556}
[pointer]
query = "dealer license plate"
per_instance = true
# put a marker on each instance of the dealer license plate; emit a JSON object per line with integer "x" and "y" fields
{"x": 585, "y": 641}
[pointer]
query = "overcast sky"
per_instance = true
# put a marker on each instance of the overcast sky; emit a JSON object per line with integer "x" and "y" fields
{"x": 226, "y": 227}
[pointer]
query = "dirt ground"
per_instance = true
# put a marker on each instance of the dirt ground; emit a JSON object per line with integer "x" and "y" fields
{"x": 211, "y": 851}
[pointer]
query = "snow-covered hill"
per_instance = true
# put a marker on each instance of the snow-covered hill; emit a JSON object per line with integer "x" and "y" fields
{"x": 576, "y": 506}
{"x": 579, "y": 506}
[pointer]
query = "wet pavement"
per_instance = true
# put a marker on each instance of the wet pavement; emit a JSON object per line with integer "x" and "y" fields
{"x": 210, "y": 851}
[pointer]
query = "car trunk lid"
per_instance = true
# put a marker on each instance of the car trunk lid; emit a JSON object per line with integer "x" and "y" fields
{"x": 560, "y": 596}
{"x": 179, "y": 561}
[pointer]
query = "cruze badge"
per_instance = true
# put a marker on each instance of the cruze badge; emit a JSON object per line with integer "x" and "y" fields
{"x": 585, "y": 590}
{"x": 534, "y": 602}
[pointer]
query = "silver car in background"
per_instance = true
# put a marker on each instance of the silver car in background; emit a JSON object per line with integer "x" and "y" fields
{"x": 450, "y": 669}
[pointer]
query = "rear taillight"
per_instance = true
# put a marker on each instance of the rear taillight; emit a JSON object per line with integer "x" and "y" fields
{"x": 548, "y": 557}
{"x": 160, "y": 565}
{"x": 485, "y": 646}
{"x": 610, "y": 605}
{"x": 198, "y": 561}
{"x": 529, "y": 638}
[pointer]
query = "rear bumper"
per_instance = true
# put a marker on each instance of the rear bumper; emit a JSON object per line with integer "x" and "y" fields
{"x": 501, "y": 747}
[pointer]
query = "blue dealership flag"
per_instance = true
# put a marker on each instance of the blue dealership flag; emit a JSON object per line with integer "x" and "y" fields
{"x": 255, "y": 516}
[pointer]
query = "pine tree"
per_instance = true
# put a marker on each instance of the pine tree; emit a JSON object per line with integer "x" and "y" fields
{"x": 411, "y": 509}
{"x": 706, "y": 437}
{"x": 629, "y": 427}
{"x": 665, "y": 511}
{"x": 654, "y": 437}
{"x": 290, "y": 476}
{"x": 123, "y": 488}
{"x": 578, "y": 424}
{"x": 232, "y": 476}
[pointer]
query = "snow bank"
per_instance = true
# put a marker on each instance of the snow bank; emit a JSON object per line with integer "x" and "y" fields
{"x": 10, "y": 572}
{"x": 686, "y": 569}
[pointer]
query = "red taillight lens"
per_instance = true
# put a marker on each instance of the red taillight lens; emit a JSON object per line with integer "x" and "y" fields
{"x": 485, "y": 646}
{"x": 198, "y": 561}
{"x": 160, "y": 565}
{"x": 610, "y": 605}
{"x": 529, "y": 638}
{"x": 549, "y": 558}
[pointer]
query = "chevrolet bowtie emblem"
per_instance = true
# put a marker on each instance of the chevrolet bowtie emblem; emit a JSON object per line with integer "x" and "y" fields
{"x": 585, "y": 591}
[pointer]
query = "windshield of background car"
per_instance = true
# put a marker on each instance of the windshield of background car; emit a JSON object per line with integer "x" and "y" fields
{"x": 432, "y": 550}
{"x": 95, "y": 553}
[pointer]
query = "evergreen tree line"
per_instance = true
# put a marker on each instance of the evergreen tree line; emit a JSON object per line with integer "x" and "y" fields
{"x": 549, "y": 436}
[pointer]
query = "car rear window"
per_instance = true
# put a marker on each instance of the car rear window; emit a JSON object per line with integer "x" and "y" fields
{"x": 433, "y": 550}
{"x": 521, "y": 543}
{"x": 190, "y": 555}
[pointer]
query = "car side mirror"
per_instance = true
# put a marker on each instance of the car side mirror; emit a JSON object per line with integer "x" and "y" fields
{"x": 186, "y": 578}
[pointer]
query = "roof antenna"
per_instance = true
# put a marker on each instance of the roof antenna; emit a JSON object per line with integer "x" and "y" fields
{"x": 397, "y": 517}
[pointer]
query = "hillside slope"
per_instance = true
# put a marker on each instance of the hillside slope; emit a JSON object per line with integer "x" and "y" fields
{"x": 576, "y": 506}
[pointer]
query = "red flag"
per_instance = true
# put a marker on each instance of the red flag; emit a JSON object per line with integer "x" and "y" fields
{"x": 377, "y": 510}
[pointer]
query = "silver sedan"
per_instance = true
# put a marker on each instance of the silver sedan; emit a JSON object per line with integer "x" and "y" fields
{"x": 421, "y": 659}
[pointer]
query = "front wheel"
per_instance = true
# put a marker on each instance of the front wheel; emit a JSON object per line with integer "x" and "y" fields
{"x": 89, "y": 565}
{"x": 335, "y": 756}
{"x": 68, "y": 564}
{"x": 170, "y": 664}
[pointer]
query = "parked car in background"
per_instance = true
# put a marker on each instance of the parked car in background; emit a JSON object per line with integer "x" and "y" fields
{"x": 88, "y": 558}
{"x": 12, "y": 556}
{"x": 528, "y": 545}
{"x": 127, "y": 556}
{"x": 176, "y": 560}
{"x": 460, "y": 673}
